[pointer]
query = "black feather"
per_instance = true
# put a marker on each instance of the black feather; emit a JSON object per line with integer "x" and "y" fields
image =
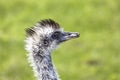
{"x": 29, "y": 31}
{"x": 50, "y": 23}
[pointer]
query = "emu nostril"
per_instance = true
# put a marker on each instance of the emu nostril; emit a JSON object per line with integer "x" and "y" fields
{"x": 69, "y": 33}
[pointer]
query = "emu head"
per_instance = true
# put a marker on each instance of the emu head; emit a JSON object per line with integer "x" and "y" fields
{"x": 47, "y": 35}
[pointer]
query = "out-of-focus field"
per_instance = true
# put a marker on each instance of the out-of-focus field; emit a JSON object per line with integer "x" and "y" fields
{"x": 93, "y": 56}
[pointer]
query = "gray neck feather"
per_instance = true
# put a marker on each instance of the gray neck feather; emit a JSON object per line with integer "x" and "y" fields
{"x": 42, "y": 65}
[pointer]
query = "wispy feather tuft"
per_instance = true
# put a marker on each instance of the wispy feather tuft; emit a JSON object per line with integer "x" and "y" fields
{"x": 30, "y": 31}
{"x": 50, "y": 23}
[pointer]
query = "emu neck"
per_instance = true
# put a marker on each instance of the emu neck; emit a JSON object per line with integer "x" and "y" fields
{"x": 43, "y": 66}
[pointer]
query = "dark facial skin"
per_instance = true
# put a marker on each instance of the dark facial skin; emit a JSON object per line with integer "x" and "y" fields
{"x": 59, "y": 37}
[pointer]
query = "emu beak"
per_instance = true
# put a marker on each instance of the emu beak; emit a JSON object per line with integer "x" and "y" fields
{"x": 69, "y": 35}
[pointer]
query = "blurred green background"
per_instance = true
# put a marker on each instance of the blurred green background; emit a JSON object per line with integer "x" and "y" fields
{"x": 93, "y": 56}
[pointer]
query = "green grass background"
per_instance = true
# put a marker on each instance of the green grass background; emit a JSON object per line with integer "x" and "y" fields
{"x": 93, "y": 56}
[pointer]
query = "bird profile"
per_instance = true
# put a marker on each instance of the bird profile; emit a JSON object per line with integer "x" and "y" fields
{"x": 41, "y": 40}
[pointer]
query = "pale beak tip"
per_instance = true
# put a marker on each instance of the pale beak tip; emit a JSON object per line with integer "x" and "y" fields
{"x": 76, "y": 34}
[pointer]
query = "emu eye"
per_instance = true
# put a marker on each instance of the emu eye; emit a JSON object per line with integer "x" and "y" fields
{"x": 56, "y": 35}
{"x": 46, "y": 42}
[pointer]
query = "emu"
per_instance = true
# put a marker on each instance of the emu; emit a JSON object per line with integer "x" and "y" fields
{"x": 41, "y": 40}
